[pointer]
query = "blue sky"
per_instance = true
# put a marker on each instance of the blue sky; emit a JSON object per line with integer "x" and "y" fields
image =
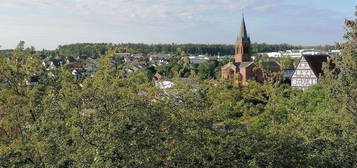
{"x": 49, "y": 23}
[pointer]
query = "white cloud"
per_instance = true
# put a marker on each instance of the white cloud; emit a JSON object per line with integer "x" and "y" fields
{"x": 137, "y": 8}
{"x": 149, "y": 13}
{"x": 96, "y": 20}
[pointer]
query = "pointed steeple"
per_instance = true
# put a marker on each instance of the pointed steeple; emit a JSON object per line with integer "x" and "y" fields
{"x": 243, "y": 50}
{"x": 243, "y": 35}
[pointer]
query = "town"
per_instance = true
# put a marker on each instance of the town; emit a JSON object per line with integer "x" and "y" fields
{"x": 233, "y": 83}
{"x": 300, "y": 75}
{"x": 304, "y": 73}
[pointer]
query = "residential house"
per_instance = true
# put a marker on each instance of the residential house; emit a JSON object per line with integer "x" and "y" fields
{"x": 32, "y": 81}
{"x": 308, "y": 71}
{"x": 122, "y": 55}
{"x": 70, "y": 59}
{"x": 54, "y": 63}
{"x": 159, "y": 58}
{"x": 133, "y": 58}
{"x": 83, "y": 58}
{"x": 73, "y": 66}
{"x": 79, "y": 72}
{"x": 158, "y": 76}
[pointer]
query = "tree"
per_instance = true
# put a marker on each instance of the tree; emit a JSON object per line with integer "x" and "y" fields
{"x": 342, "y": 79}
{"x": 207, "y": 70}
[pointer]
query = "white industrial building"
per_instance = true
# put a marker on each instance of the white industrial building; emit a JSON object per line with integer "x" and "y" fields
{"x": 198, "y": 59}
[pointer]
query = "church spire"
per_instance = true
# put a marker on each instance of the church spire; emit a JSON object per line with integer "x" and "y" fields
{"x": 242, "y": 51}
{"x": 243, "y": 35}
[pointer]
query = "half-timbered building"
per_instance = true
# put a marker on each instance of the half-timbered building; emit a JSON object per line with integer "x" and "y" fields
{"x": 308, "y": 71}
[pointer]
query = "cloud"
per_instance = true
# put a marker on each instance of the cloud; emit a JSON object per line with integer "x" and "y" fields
{"x": 139, "y": 8}
{"x": 151, "y": 10}
{"x": 153, "y": 20}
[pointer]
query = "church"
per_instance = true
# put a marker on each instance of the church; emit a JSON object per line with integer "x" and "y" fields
{"x": 243, "y": 69}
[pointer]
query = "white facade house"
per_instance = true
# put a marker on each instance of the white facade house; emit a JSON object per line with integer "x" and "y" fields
{"x": 308, "y": 71}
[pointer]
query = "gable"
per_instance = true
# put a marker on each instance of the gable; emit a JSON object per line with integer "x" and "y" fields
{"x": 303, "y": 70}
{"x": 315, "y": 63}
{"x": 303, "y": 64}
{"x": 229, "y": 66}
{"x": 246, "y": 64}
{"x": 271, "y": 65}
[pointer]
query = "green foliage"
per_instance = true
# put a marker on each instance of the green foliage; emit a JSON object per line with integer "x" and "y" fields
{"x": 285, "y": 62}
{"x": 109, "y": 121}
{"x": 98, "y": 49}
{"x": 208, "y": 70}
{"x": 342, "y": 78}
{"x": 104, "y": 121}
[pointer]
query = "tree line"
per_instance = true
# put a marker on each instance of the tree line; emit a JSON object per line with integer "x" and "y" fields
{"x": 98, "y": 49}
{"x": 93, "y": 49}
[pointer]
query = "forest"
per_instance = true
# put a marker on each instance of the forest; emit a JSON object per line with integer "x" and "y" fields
{"x": 97, "y": 49}
{"x": 109, "y": 121}
{"x": 90, "y": 49}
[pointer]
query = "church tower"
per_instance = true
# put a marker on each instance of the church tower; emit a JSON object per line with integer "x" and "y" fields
{"x": 243, "y": 50}
{"x": 243, "y": 69}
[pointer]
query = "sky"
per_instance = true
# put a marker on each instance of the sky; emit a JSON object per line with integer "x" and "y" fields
{"x": 49, "y": 23}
